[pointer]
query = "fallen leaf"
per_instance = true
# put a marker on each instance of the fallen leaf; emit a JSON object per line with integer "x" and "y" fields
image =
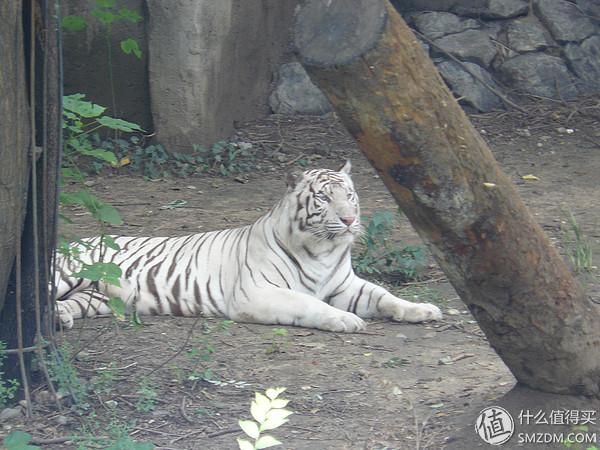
{"x": 446, "y": 360}
{"x": 530, "y": 177}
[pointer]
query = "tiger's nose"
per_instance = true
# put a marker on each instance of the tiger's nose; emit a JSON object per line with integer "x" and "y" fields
{"x": 349, "y": 220}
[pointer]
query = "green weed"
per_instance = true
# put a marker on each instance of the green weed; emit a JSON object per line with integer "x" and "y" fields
{"x": 578, "y": 245}
{"x": 65, "y": 375}
{"x": 279, "y": 341}
{"x": 395, "y": 361}
{"x": 224, "y": 158}
{"x": 147, "y": 396}
{"x": 201, "y": 356}
{"x": 378, "y": 254}
{"x": 8, "y": 387}
{"x": 103, "y": 383}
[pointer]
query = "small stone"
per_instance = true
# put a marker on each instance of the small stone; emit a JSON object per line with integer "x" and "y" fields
{"x": 505, "y": 9}
{"x": 539, "y": 74}
{"x": 83, "y": 355}
{"x": 402, "y": 336}
{"x": 62, "y": 420}
{"x": 453, "y": 312}
{"x": 591, "y": 8}
{"x": 111, "y": 404}
{"x": 564, "y": 19}
{"x": 523, "y": 132}
{"x": 437, "y": 24}
{"x": 584, "y": 58}
{"x": 469, "y": 89}
{"x": 10, "y": 413}
{"x": 526, "y": 35}
{"x": 296, "y": 94}
{"x": 471, "y": 45}
{"x": 244, "y": 145}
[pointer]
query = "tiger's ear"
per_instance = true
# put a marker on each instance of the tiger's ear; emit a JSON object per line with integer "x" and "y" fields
{"x": 292, "y": 179}
{"x": 346, "y": 168}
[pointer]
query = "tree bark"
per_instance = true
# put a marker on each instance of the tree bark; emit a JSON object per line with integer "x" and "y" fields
{"x": 389, "y": 95}
{"x": 18, "y": 223}
{"x": 14, "y": 136}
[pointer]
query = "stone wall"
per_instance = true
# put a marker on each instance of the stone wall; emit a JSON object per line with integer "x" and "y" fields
{"x": 546, "y": 48}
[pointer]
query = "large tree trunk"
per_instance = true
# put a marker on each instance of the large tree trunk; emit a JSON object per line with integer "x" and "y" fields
{"x": 27, "y": 215}
{"x": 390, "y": 97}
{"x": 14, "y": 136}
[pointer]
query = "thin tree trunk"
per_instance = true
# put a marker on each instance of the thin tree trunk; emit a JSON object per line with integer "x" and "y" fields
{"x": 390, "y": 97}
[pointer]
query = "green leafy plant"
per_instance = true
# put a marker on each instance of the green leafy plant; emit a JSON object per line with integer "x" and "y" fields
{"x": 103, "y": 383}
{"x": 224, "y": 158}
{"x": 147, "y": 396}
{"x": 112, "y": 436}
{"x": 279, "y": 340}
{"x": 225, "y": 325}
{"x": 152, "y": 161}
{"x": 65, "y": 375}
{"x": 18, "y": 440}
{"x": 578, "y": 245}
{"x": 380, "y": 255}
{"x": 268, "y": 411}
{"x": 108, "y": 13}
{"x": 202, "y": 353}
{"x": 81, "y": 118}
{"x": 8, "y": 387}
{"x": 395, "y": 361}
{"x": 201, "y": 356}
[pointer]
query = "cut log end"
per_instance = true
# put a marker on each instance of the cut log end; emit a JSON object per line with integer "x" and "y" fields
{"x": 336, "y": 32}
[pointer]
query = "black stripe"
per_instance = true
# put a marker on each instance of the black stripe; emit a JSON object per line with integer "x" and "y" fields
{"x": 292, "y": 258}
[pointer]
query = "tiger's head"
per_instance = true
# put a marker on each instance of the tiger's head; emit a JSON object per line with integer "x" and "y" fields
{"x": 326, "y": 205}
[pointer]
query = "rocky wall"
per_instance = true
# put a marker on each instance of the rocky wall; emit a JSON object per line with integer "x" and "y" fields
{"x": 546, "y": 48}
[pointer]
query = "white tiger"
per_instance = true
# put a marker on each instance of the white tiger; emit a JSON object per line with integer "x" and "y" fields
{"x": 291, "y": 267}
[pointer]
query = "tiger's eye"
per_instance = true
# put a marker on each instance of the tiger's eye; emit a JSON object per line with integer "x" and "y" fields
{"x": 322, "y": 196}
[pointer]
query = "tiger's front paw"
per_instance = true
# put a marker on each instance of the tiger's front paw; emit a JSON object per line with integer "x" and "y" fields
{"x": 343, "y": 322}
{"x": 65, "y": 317}
{"x": 417, "y": 312}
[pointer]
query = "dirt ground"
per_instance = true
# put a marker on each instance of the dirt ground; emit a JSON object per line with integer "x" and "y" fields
{"x": 395, "y": 386}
